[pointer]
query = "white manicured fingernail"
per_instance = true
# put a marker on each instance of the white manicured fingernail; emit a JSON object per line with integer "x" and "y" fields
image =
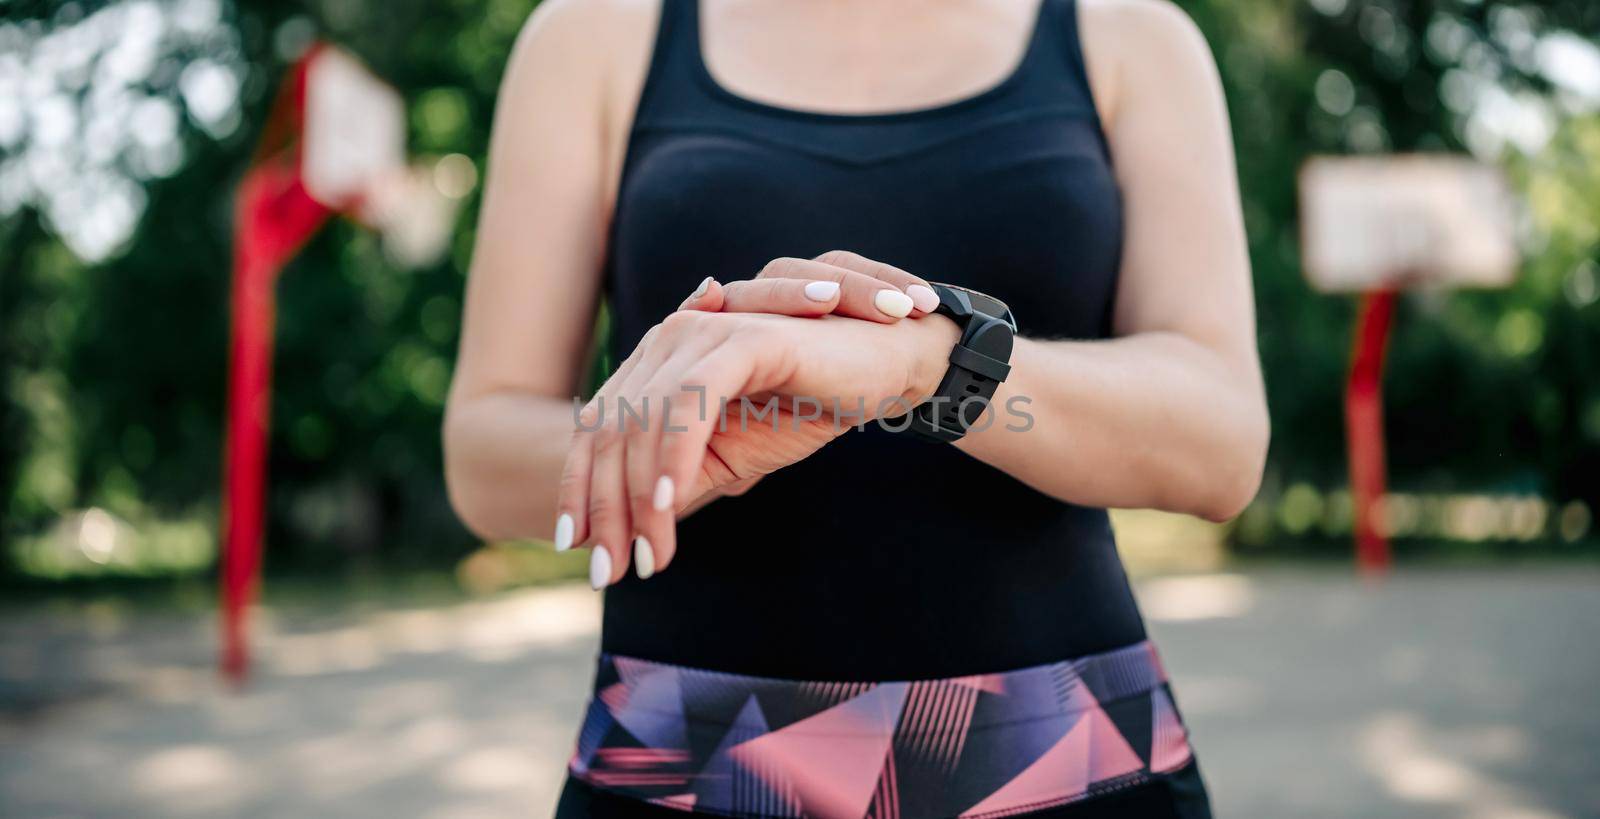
{"x": 644, "y": 558}
{"x": 923, "y": 297}
{"x": 662, "y": 500}
{"x": 705, "y": 284}
{"x": 564, "y": 528}
{"x": 893, "y": 303}
{"x": 599, "y": 567}
{"x": 821, "y": 291}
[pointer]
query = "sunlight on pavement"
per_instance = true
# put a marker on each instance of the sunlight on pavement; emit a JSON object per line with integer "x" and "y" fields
{"x": 491, "y": 769}
{"x": 1308, "y": 693}
{"x": 1396, "y": 749}
{"x": 192, "y": 775}
{"x": 483, "y": 631}
{"x": 463, "y": 709}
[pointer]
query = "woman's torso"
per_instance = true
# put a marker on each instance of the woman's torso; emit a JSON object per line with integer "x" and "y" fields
{"x": 880, "y": 557}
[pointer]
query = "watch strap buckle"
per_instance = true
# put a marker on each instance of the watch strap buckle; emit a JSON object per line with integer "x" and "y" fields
{"x": 973, "y": 361}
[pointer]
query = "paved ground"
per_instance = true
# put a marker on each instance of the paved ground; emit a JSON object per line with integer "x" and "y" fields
{"x": 1434, "y": 694}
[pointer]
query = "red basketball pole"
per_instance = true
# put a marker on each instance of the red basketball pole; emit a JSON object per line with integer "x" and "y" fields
{"x": 1363, "y": 406}
{"x": 273, "y": 218}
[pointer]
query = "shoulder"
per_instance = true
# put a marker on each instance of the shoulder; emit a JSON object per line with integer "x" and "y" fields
{"x": 582, "y": 62}
{"x": 1159, "y": 22}
{"x": 1131, "y": 43}
{"x": 586, "y": 40}
{"x": 585, "y": 20}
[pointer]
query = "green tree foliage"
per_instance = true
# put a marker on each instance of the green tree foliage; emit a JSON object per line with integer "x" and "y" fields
{"x": 112, "y": 369}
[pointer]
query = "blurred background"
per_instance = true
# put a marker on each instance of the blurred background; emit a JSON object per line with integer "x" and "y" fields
{"x": 405, "y": 668}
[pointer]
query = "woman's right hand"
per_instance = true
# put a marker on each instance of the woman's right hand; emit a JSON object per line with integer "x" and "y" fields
{"x": 836, "y": 285}
{"x": 837, "y": 282}
{"x": 626, "y": 480}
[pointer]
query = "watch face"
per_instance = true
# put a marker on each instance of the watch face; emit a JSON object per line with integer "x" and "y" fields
{"x": 986, "y": 304}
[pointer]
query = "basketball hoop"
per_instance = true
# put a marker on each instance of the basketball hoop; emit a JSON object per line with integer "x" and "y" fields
{"x": 334, "y": 143}
{"x": 1378, "y": 225}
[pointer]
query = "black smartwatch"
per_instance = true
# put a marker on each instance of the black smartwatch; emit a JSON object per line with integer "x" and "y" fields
{"x": 980, "y": 361}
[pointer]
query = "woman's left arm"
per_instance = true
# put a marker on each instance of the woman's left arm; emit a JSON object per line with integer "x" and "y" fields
{"x": 1171, "y": 414}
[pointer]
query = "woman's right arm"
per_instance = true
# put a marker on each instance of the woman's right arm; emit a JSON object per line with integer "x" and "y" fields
{"x": 531, "y": 297}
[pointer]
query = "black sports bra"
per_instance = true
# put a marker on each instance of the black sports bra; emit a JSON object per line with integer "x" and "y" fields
{"x": 880, "y": 557}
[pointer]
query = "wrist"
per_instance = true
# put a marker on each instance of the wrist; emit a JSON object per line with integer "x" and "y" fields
{"x": 975, "y": 361}
{"x": 932, "y": 338}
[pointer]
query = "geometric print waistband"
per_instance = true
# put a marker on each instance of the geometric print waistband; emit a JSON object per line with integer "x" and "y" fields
{"x": 984, "y": 745}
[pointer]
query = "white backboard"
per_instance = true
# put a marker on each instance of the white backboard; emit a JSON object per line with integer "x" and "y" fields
{"x": 414, "y": 215}
{"x": 1402, "y": 221}
{"x": 355, "y": 129}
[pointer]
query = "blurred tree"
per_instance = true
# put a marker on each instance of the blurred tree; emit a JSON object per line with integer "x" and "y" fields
{"x": 114, "y": 273}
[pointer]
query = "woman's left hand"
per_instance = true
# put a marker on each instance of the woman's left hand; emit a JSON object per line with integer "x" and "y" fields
{"x": 626, "y": 478}
{"x": 838, "y": 282}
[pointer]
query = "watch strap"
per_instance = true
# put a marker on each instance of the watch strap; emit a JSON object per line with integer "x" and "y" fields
{"x": 979, "y": 362}
{"x": 969, "y": 359}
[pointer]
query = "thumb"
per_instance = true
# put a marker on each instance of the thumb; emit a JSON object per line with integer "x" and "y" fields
{"x": 707, "y": 298}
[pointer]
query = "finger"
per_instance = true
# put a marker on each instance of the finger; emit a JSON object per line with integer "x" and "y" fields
{"x": 604, "y": 510}
{"x": 609, "y": 528}
{"x": 652, "y": 516}
{"x": 572, "y": 499}
{"x": 861, "y": 296}
{"x": 922, "y": 296}
{"x": 654, "y": 537}
{"x": 707, "y": 297}
{"x": 787, "y": 297}
{"x": 864, "y": 297}
{"x": 722, "y": 374}
{"x": 673, "y": 346}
